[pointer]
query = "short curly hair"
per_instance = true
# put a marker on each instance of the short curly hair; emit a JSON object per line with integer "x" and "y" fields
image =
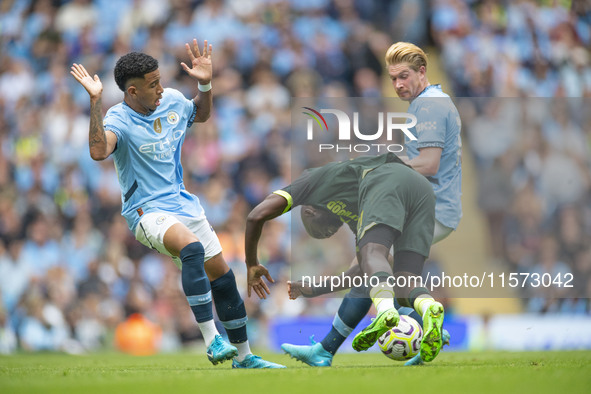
{"x": 133, "y": 65}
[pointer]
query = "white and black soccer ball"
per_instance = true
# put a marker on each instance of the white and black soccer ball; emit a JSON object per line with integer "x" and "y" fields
{"x": 402, "y": 342}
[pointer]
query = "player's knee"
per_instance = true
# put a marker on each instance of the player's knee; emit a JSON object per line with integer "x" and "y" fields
{"x": 216, "y": 267}
{"x": 192, "y": 252}
{"x": 177, "y": 237}
{"x": 374, "y": 258}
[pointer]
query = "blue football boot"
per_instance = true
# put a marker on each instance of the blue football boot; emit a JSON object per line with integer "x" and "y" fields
{"x": 219, "y": 351}
{"x": 255, "y": 362}
{"x": 314, "y": 355}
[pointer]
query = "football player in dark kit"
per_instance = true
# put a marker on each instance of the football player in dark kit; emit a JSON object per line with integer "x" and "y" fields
{"x": 386, "y": 204}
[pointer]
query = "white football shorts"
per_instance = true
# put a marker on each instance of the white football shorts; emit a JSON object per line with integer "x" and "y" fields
{"x": 441, "y": 232}
{"x": 152, "y": 227}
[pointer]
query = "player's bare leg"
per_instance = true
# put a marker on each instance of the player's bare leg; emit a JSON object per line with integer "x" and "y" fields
{"x": 374, "y": 262}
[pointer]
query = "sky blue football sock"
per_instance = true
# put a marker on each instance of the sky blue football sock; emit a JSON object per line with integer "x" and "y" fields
{"x": 195, "y": 283}
{"x": 352, "y": 310}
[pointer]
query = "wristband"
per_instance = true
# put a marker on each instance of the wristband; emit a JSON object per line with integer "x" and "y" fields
{"x": 204, "y": 88}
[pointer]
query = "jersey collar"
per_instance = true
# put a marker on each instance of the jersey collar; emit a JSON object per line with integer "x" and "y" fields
{"x": 436, "y": 86}
{"x": 139, "y": 113}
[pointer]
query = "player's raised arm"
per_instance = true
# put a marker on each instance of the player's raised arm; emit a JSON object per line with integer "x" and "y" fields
{"x": 274, "y": 205}
{"x": 201, "y": 69}
{"x": 101, "y": 143}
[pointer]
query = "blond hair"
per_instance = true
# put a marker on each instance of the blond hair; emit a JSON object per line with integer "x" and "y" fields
{"x": 405, "y": 52}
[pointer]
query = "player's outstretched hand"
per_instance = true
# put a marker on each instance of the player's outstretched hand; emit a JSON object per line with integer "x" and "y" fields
{"x": 255, "y": 280}
{"x": 296, "y": 289}
{"x": 201, "y": 68}
{"x": 93, "y": 86}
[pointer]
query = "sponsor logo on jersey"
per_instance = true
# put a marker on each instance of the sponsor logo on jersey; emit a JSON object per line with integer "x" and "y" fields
{"x": 339, "y": 209}
{"x": 426, "y": 126}
{"x": 164, "y": 148}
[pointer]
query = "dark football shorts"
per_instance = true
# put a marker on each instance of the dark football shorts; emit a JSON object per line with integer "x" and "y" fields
{"x": 398, "y": 196}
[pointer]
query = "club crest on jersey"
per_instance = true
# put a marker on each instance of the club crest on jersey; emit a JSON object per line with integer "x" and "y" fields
{"x": 172, "y": 117}
{"x": 158, "y": 126}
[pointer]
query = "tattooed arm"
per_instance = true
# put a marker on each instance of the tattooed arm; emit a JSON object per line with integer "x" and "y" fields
{"x": 101, "y": 143}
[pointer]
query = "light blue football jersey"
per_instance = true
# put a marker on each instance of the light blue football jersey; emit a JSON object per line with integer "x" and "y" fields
{"x": 148, "y": 157}
{"x": 439, "y": 125}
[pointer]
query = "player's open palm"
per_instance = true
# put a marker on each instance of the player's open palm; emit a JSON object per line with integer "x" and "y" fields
{"x": 297, "y": 289}
{"x": 201, "y": 68}
{"x": 294, "y": 290}
{"x": 255, "y": 280}
{"x": 93, "y": 85}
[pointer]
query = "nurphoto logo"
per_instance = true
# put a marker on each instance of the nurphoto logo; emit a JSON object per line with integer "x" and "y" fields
{"x": 388, "y": 122}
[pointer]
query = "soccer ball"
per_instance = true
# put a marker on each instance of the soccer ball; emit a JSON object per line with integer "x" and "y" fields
{"x": 402, "y": 342}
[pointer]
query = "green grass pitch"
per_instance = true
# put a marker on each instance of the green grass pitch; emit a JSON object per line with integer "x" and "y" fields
{"x": 490, "y": 372}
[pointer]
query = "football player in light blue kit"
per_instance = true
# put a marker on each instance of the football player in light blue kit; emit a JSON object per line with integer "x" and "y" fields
{"x": 436, "y": 153}
{"x": 145, "y": 133}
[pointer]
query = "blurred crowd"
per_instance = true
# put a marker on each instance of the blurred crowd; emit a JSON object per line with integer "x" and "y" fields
{"x": 534, "y": 168}
{"x": 533, "y": 146}
{"x": 70, "y": 270}
{"x": 520, "y": 48}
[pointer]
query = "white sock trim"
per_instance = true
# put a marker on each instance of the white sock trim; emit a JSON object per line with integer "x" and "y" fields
{"x": 243, "y": 350}
{"x": 208, "y": 330}
{"x": 423, "y": 304}
{"x": 382, "y": 297}
{"x": 384, "y": 304}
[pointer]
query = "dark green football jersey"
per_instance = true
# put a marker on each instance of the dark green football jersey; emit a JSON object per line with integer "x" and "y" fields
{"x": 369, "y": 191}
{"x": 335, "y": 186}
